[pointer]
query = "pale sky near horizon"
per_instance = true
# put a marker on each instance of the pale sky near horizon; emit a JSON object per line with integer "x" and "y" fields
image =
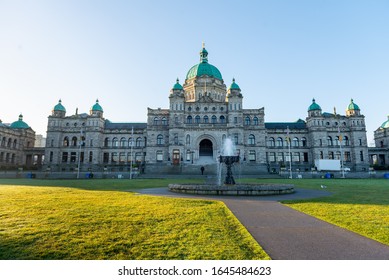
{"x": 128, "y": 54}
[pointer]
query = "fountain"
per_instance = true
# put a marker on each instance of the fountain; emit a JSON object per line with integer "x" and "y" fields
{"x": 229, "y": 187}
{"x": 228, "y": 159}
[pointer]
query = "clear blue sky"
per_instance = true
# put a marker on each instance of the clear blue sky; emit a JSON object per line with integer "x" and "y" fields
{"x": 128, "y": 54}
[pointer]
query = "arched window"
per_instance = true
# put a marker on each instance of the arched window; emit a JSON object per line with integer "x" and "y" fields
{"x": 271, "y": 142}
{"x": 329, "y": 141}
{"x": 123, "y": 142}
{"x": 9, "y": 143}
{"x": 247, "y": 120}
{"x": 66, "y": 141}
{"x": 304, "y": 142}
{"x": 321, "y": 155}
{"x": 130, "y": 142}
{"x": 4, "y": 140}
{"x": 106, "y": 141}
{"x": 280, "y": 142}
{"x": 188, "y": 139}
{"x": 214, "y": 119}
{"x": 74, "y": 141}
{"x": 160, "y": 139}
{"x": 251, "y": 139}
{"x": 256, "y": 121}
{"x": 197, "y": 119}
{"x": 164, "y": 121}
{"x": 295, "y": 142}
{"x": 346, "y": 141}
{"x": 14, "y": 144}
{"x": 139, "y": 142}
{"x": 337, "y": 142}
{"x": 206, "y": 119}
{"x": 222, "y": 119}
{"x": 156, "y": 121}
{"x": 115, "y": 142}
{"x": 189, "y": 119}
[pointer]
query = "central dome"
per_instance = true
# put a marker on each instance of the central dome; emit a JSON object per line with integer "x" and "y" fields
{"x": 204, "y": 68}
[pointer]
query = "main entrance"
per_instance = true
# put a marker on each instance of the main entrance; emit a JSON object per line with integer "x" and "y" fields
{"x": 206, "y": 148}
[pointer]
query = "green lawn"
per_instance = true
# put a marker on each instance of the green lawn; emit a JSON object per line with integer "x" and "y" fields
{"x": 359, "y": 205}
{"x": 101, "y": 219}
{"x": 105, "y": 219}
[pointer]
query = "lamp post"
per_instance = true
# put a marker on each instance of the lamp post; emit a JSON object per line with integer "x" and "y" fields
{"x": 82, "y": 138}
{"x": 340, "y": 138}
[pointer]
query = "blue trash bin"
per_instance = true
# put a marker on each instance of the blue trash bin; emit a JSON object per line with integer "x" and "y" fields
{"x": 386, "y": 175}
{"x": 328, "y": 176}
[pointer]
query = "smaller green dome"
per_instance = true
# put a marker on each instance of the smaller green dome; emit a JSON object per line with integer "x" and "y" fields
{"x": 385, "y": 124}
{"x": 19, "y": 123}
{"x": 177, "y": 85}
{"x": 234, "y": 86}
{"x": 353, "y": 106}
{"x": 314, "y": 106}
{"x": 97, "y": 107}
{"x": 59, "y": 107}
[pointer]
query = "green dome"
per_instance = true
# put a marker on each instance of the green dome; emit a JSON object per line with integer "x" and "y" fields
{"x": 204, "y": 68}
{"x": 19, "y": 123}
{"x": 314, "y": 106}
{"x": 177, "y": 86}
{"x": 97, "y": 107}
{"x": 353, "y": 106}
{"x": 234, "y": 86}
{"x": 59, "y": 107}
{"x": 385, "y": 124}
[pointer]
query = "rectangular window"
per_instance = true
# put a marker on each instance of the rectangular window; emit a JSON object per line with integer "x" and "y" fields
{"x": 106, "y": 157}
{"x": 159, "y": 156}
{"x": 252, "y": 156}
{"x": 122, "y": 157}
{"x": 90, "y": 156}
{"x": 347, "y": 156}
{"x": 114, "y": 157}
{"x": 73, "y": 157}
{"x": 287, "y": 157}
{"x": 361, "y": 156}
{"x": 331, "y": 155}
{"x": 82, "y": 157}
{"x": 236, "y": 138}
{"x": 138, "y": 157}
{"x": 235, "y": 119}
{"x": 50, "y": 158}
{"x": 65, "y": 157}
{"x": 296, "y": 157}
{"x": 129, "y": 157}
{"x": 280, "y": 157}
{"x": 272, "y": 157}
{"x": 360, "y": 142}
{"x": 305, "y": 157}
{"x": 188, "y": 155}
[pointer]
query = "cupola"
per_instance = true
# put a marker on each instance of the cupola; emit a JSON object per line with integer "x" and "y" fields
{"x": 353, "y": 109}
{"x": 59, "y": 110}
{"x": 19, "y": 124}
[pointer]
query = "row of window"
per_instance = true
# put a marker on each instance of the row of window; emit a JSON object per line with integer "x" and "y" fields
{"x": 337, "y": 155}
{"x": 115, "y": 142}
{"x": 286, "y": 157}
{"x": 107, "y": 157}
{"x": 7, "y": 157}
{"x": 9, "y": 143}
{"x": 280, "y": 142}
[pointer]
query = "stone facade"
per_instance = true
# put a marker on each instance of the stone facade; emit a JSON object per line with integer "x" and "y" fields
{"x": 379, "y": 156}
{"x": 15, "y": 139}
{"x": 202, "y": 113}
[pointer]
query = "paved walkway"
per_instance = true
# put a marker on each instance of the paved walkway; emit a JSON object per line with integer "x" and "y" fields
{"x": 286, "y": 234}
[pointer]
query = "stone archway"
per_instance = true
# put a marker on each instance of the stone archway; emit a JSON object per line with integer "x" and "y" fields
{"x": 206, "y": 148}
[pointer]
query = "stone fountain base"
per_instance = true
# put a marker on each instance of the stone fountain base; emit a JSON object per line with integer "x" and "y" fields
{"x": 240, "y": 190}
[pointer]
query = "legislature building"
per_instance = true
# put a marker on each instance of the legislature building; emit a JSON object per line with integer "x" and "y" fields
{"x": 203, "y": 112}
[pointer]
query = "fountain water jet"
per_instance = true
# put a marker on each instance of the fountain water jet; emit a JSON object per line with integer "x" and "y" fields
{"x": 228, "y": 158}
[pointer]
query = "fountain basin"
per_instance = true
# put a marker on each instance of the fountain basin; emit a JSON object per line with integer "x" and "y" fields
{"x": 238, "y": 190}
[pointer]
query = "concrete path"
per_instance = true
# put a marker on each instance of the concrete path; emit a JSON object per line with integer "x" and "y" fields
{"x": 286, "y": 234}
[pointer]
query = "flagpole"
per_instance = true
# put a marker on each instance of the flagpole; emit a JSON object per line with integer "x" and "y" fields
{"x": 79, "y": 155}
{"x": 290, "y": 155}
{"x": 132, "y": 143}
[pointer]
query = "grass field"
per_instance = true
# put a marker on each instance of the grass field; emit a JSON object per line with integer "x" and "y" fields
{"x": 103, "y": 219}
{"x": 100, "y": 219}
